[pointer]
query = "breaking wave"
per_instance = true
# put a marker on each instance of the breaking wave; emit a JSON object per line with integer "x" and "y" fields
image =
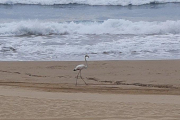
{"x": 87, "y": 2}
{"x": 110, "y": 26}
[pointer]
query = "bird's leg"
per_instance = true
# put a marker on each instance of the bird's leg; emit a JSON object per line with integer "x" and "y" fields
{"x": 76, "y": 81}
{"x": 82, "y": 78}
{"x": 78, "y": 74}
{"x": 77, "y": 77}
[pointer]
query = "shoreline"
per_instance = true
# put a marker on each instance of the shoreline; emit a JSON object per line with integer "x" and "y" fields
{"x": 120, "y": 77}
{"x": 116, "y": 90}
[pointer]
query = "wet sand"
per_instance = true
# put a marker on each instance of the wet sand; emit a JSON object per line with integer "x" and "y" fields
{"x": 116, "y": 90}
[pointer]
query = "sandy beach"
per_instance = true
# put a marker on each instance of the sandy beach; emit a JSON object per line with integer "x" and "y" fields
{"x": 116, "y": 90}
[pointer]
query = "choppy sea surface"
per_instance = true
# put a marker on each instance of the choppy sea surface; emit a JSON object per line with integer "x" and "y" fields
{"x": 65, "y": 30}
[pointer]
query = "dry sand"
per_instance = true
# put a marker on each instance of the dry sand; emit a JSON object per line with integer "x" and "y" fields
{"x": 116, "y": 90}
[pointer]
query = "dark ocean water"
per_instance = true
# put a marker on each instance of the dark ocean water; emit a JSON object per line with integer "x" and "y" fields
{"x": 63, "y": 32}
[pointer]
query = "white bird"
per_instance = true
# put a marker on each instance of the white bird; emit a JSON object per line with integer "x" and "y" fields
{"x": 81, "y": 67}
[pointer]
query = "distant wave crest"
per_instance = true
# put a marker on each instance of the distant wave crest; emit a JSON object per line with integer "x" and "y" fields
{"x": 111, "y": 26}
{"x": 87, "y": 2}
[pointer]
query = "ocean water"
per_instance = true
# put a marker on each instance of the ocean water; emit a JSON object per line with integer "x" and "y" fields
{"x": 65, "y": 30}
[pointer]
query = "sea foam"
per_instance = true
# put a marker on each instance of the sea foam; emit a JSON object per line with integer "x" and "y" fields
{"x": 110, "y": 26}
{"x": 87, "y": 2}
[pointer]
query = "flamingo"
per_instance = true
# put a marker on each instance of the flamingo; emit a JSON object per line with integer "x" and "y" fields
{"x": 81, "y": 67}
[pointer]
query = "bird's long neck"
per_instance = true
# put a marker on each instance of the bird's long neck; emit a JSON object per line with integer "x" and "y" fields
{"x": 86, "y": 62}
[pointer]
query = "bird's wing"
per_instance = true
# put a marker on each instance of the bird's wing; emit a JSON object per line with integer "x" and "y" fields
{"x": 79, "y": 67}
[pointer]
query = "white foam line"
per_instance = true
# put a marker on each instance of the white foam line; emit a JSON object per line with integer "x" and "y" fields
{"x": 88, "y": 2}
